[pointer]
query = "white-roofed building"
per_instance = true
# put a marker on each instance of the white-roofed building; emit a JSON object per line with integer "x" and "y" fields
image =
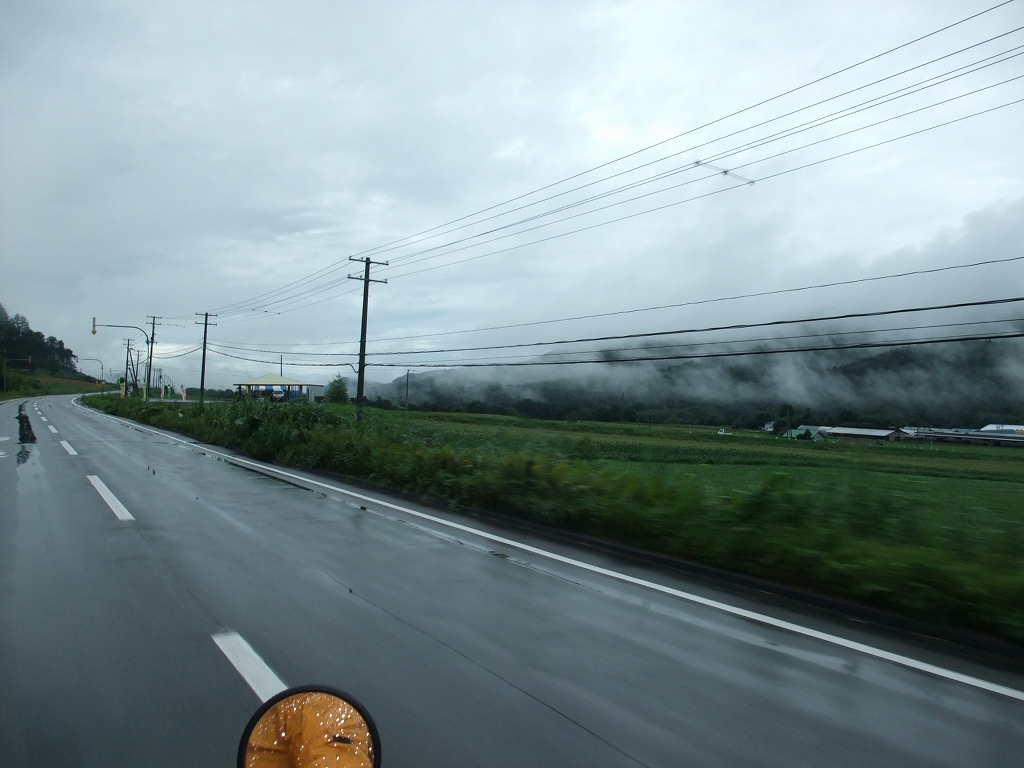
{"x": 1004, "y": 429}
{"x": 276, "y": 387}
{"x": 857, "y": 432}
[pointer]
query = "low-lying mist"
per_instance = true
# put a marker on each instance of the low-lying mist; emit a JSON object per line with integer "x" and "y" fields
{"x": 963, "y": 384}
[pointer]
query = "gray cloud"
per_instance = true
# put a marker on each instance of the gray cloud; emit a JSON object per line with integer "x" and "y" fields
{"x": 172, "y": 158}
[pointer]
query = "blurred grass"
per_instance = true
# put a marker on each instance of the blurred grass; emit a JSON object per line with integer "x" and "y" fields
{"x": 937, "y": 534}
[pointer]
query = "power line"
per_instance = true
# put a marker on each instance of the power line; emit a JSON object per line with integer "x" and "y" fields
{"x": 815, "y": 81}
{"x": 706, "y": 329}
{"x": 659, "y": 307}
{"x": 179, "y": 354}
{"x": 699, "y": 302}
{"x": 702, "y": 196}
{"x": 763, "y": 339}
{"x": 786, "y": 133}
{"x": 707, "y": 355}
{"x": 716, "y": 328}
{"x": 756, "y": 125}
{"x": 679, "y": 345}
{"x": 660, "y": 358}
{"x": 714, "y": 175}
{"x": 816, "y": 122}
{"x": 321, "y": 289}
{"x": 448, "y": 249}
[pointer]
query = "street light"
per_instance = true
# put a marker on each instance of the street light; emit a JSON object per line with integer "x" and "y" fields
{"x": 94, "y": 360}
{"x": 149, "y": 363}
{"x": 16, "y": 360}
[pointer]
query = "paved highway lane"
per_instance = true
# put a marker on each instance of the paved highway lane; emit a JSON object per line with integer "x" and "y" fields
{"x": 466, "y": 650}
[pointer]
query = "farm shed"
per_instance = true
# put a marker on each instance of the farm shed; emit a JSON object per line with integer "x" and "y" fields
{"x": 867, "y": 434}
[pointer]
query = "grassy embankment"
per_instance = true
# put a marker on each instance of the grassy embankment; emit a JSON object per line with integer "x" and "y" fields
{"x": 934, "y": 534}
{"x": 36, "y": 384}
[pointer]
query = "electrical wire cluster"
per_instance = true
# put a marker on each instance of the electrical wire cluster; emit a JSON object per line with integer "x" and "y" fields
{"x": 743, "y": 149}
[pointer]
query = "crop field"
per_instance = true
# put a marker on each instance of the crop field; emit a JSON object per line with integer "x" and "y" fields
{"x": 934, "y": 532}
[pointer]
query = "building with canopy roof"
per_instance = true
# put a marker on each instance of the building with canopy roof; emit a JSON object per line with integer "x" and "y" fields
{"x": 276, "y": 387}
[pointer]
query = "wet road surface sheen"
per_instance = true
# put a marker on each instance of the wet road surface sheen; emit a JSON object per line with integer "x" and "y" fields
{"x": 465, "y": 652}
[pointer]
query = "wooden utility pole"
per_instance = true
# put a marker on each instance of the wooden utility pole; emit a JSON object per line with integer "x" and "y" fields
{"x": 127, "y": 362}
{"x": 149, "y": 363}
{"x": 202, "y": 375}
{"x": 365, "y": 277}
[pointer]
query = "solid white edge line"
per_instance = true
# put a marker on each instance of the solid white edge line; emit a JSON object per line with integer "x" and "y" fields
{"x": 842, "y": 642}
{"x": 254, "y": 670}
{"x": 67, "y": 447}
{"x": 112, "y": 501}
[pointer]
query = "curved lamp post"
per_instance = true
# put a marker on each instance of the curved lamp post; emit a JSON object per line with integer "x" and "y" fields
{"x": 149, "y": 361}
{"x": 94, "y": 360}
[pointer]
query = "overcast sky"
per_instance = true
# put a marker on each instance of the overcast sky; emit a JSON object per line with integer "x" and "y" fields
{"x": 176, "y": 158}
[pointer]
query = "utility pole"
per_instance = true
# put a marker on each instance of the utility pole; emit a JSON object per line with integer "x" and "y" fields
{"x": 282, "y": 367}
{"x": 134, "y": 368}
{"x": 407, "y": 389}
{"x": 202, "y": 375}
{"x": 149, "y": 363}
{"x": 127, "y": 359}
{"x": 362, "y": 332}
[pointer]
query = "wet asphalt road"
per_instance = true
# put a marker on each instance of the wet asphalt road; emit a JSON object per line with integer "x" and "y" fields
{"x": 467, "y": 653}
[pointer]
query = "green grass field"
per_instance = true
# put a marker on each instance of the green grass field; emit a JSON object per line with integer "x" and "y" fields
{"x": 935, "y": 533}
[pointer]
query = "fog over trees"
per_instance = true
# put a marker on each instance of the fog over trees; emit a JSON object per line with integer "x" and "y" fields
{"x": 966, "y": 384}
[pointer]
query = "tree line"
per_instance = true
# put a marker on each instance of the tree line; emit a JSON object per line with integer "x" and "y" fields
{"x": 19, "y": 342}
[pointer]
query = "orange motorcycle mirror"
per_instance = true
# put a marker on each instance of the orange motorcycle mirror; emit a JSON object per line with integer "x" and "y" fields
{"x": 307, "y": 727}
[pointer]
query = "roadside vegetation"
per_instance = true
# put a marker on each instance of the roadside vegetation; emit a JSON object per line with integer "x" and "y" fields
{"x": 22, "y": 383}
{"x": 935, "y": 533}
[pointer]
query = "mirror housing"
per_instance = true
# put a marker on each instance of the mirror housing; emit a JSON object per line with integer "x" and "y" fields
{"x": 310, "y": 726}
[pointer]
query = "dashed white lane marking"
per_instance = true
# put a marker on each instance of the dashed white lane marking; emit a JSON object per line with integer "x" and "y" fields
{"x": 254, "y": 670}
{"x": 68, "y": 448}
{"x": 760, "y": 618}
{"x": 112, "y": 501}
{"x": 52, "y": 428}
{"x": 44, "y": 418}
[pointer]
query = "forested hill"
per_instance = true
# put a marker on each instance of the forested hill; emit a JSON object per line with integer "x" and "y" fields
{"x": 19, "y": 342}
